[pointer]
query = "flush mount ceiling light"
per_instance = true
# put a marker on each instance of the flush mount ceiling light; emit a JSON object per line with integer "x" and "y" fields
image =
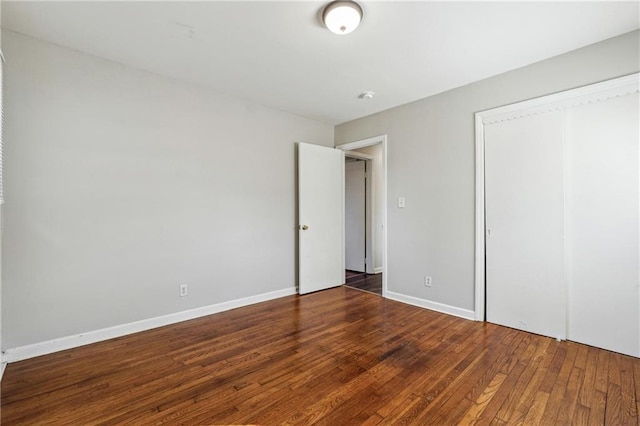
{"x": 366, "y": 95}
{"x": 342, "y": 17}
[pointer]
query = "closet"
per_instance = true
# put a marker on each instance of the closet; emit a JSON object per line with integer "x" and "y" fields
{"x": 562, "y": 218}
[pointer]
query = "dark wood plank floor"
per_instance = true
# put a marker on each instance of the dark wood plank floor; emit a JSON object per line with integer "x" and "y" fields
{"x": 363, "y": 281}
{"x": 335, "y": 357}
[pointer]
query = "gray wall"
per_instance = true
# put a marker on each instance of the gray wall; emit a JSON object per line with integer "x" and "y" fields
{"x": 431, "y": 164}
{"x": 121, "y": 184}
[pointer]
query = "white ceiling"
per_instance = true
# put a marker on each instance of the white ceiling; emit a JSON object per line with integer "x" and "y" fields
{"x": 278, "y": 54}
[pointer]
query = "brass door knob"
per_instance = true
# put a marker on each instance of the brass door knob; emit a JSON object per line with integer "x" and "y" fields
{"x": 304, "y": 227}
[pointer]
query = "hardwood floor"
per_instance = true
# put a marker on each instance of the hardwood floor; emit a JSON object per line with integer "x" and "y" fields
{"x": 335, "y": 357}
{"x": 363, "y": 281}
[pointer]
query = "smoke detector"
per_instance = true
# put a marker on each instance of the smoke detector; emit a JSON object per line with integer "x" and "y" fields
{"x": 366, "y": 95}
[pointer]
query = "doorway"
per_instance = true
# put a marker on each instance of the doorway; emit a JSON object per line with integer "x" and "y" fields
{"x": 358, "y": 195}
{"x": 365, "y": 215}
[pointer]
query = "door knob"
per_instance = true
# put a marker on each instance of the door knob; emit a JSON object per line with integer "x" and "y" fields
{"x": 304, "y": 227}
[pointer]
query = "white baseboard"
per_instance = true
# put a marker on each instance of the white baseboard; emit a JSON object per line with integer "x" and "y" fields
{"x": 2, "y": 367}
{"x": 42, "y": 348}
{"x": 434, "y": 306}
{"x": 377, "y": 270}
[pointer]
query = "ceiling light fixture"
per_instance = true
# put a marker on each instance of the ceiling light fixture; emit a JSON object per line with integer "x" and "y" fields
{"x": 366, "y": 95}
{"x": 342, "y": 17}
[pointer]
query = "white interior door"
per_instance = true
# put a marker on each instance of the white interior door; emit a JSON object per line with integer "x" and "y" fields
{"x": 525, "y": 222}
{"x": 602, "y": 203}
{"x": 321, "y": 218}
{"x": 355, "y": 213}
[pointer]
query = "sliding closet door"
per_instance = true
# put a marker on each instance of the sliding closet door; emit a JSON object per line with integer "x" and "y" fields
{"x": 602, "y": 211}
{"x": 524, "y": 224}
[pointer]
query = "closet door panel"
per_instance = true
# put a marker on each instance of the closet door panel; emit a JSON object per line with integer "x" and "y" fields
{"x": 602, "y": 211}
{"x": 525, "y": 221}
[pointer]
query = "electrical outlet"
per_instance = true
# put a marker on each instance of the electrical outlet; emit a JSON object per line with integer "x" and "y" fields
{"x": 183, "y": 290}
{"x": 427, "y": 281}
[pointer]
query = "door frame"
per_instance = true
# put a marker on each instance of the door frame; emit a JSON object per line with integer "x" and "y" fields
{"x": 375, "y": 140}
{"x": 369, "y": 212}
{"x": 567, "y": 98}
